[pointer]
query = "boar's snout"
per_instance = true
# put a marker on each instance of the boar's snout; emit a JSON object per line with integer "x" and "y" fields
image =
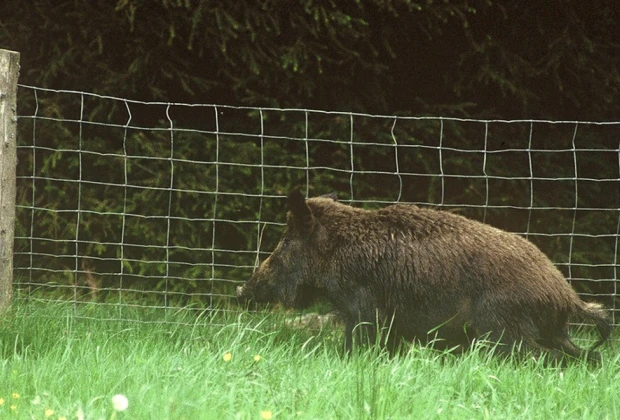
{"x": 241, "y": 292}
{"x": 245, "y": 293}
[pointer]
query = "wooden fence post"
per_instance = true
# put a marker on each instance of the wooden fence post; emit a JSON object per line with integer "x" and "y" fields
{"x": 9, "y": 72}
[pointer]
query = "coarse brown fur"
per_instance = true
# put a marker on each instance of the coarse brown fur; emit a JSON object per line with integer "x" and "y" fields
{"x": 423, "y": 275}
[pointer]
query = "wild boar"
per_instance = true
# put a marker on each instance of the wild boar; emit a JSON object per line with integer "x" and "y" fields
{"x": 424, "y": 275}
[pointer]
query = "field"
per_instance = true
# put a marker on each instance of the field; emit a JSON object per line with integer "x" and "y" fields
{"x": 59, "y": 361}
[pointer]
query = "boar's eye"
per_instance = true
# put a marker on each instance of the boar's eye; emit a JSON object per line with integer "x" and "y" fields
{"x": 287, "y": 242}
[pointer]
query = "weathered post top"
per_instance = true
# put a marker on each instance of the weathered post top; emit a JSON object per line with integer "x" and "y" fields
{"x": 9, "y": 72}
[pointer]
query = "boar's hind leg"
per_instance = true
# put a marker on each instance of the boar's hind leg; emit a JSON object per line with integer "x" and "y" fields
{"x": 505, "y": 345}
{"x": 553, "y": 336}
{"x": 562, "y": 346}
{"x": 506, "y": 342}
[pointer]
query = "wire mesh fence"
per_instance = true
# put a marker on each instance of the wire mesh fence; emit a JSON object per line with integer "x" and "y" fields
{"x": 167, "y": 205}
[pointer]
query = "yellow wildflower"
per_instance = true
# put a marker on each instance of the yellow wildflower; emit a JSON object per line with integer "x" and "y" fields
{"x": 227, "y": 357}
{"x": 266, "y": 415}
{"x": 257, "y": 358}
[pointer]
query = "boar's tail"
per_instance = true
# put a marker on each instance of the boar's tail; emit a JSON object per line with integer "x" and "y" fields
{"x": 595, "y": 313}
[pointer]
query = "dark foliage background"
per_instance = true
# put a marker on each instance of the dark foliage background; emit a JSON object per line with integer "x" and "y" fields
{"x": 555, "y": 60}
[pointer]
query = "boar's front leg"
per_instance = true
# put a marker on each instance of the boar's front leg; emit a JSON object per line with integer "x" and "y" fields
{"x": 359, "y": 332}
{"x": 348, "y": 336}
{"x": 361, "y": 319}
{"x": 372, "y": 331}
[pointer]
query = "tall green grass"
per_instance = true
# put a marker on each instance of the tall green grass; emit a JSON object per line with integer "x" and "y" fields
{"x": 61, "y": 361}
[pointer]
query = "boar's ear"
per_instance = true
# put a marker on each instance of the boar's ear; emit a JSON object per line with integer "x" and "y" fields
{"x": 300, "y": 210}
{"x": 332, "y": 195}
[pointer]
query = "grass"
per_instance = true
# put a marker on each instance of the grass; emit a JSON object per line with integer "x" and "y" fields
{"x": 60, "y": 361}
